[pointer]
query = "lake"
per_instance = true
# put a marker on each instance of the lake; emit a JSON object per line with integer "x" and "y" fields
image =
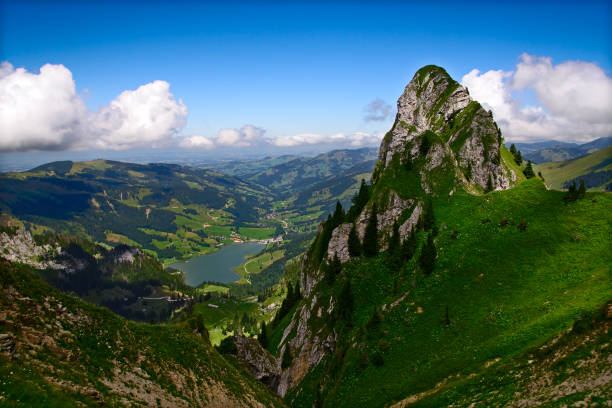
{"x": 218, "y": 266}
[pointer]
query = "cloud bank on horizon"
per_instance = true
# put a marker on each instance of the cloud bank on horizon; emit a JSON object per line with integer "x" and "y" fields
{"x": 44, "y": 111}
{"x": 575, "y": 99}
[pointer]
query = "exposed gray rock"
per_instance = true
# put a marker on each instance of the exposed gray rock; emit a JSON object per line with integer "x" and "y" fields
{"x": 338, "y": 244}
{"x": 260, "y": 363}
{"x": 427, "y": 104}
{"x": 392, "y": 211}
{"x": 128, "y": 255}
{"x": 22, "y": 248}
{"x": 406, "y": 228}
{"x": 386, "y": 215}
{"x": 306, "y": 348}
{"x": 414, "y": 108}
{"x": 309, "y": 278}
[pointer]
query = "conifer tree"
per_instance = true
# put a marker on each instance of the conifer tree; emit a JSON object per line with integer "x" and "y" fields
{"x": 359, "y": 201}
{"x": 263, "y": 336}
{"x": 394, "y": 253}
{"x": 409, "y": 246}
{"x": 489, "y": 184}
{"x": 513, "y": 149}
{"x": 354, "y": 246}
{"x": 338, "y": 216}
{"x": 425, "y": 144}
{"x": 362, "y": 196}
{"x": 518, "y": 158}
{"x": 332, "y": 269}
{"x": 429, "y": 220}
{"x": 345, "y": 303}
{"x": 297, "y": 293}
{"x": 428, "y": 256}
{"x": 408, "y": 163}
{"x": 581, "y": 189}
{"x": 336, "y": 266}
{"x": 370, "y": 239}
{"x": 528, "y": 172}
{"x": 319, "y": 247}
{"x": 571, "y": 191}
{"x": 289, "y": 292}
{"x": 394, "y": 240}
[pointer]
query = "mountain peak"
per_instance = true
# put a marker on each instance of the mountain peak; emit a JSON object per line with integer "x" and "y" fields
{"x": 437, "y": 111}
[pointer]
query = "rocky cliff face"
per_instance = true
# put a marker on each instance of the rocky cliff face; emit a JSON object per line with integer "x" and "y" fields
{"x": 307, "y": 347}
{"x": 262, "y": 365}
{"x": 441, "y": 140}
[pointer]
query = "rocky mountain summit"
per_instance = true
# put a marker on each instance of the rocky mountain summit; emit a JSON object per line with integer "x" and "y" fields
{"x": 437, "y": 118}
{"x": 442, "y": 140}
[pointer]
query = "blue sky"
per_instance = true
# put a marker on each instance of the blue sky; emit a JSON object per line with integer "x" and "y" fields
{"x": 291, "y": 68}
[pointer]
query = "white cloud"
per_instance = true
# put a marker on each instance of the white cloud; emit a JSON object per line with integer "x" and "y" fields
{"x": 357, "y": 139}
{"x": 196, "y": 142}
{"x": 574, "y": 89}
{"x": 38, "y": 111}
{"x": 146, "y": 117}
{"x": 43, "y": 112}
{"x": 575, "y": 98}
{"x": 246, "y": 136}
{"x": 377, "y": 111}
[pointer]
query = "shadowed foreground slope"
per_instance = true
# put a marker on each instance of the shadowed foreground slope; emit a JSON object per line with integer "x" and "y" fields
{"x": 58, "y": 351}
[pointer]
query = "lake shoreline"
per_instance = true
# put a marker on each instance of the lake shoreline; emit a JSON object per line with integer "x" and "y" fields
{"x": 217, "y": 266}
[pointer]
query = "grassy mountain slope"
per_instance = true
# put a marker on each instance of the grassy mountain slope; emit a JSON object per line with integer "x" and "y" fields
{"x": 595, "y": 169}
{"x": 59, "y": 351}
{"x": 505, "y": 290}
{"x": 572, "y": 369}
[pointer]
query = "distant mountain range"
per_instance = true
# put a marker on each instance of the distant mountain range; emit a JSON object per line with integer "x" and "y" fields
{"x": 302, "y": 172}
{"x": 553, "y": 150}
{"x": 179, "y": 211}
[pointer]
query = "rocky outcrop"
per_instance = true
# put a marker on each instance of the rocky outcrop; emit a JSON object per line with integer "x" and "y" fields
{"x": 127, "y": 255}
{"x": 392, "y": 211}
{"x": 260, "y": 363}
{"x": 434, "y": 102}
{"x": 338, "y": 244}
{"x": 21, "y": 247}
{"x": 419, "y": 106}
{"x": 450, "y": 136}
{"x": 307, "y": 348}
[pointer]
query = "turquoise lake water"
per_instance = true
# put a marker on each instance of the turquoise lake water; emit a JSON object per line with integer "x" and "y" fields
{"x": 218, "y": 266}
